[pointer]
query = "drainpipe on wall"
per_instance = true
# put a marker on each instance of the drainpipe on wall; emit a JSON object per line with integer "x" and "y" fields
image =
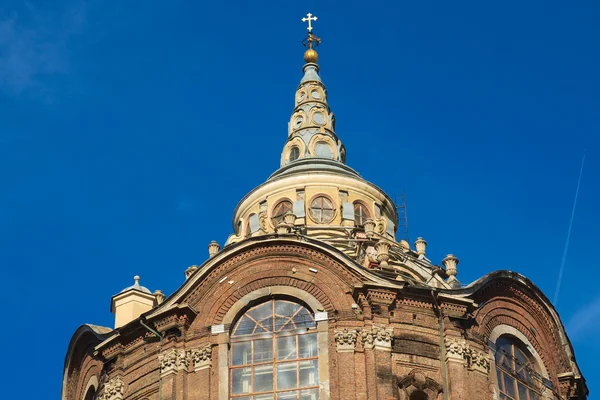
{"x": 442, "y": 343}
{"x": 159, "y": 351}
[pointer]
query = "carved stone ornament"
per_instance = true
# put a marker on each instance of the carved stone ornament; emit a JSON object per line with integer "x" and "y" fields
{"x": 461, "y": 351}
{"x": 201, "y": 357}
{"x": 417, "y": 381}
{"x": 173, "y": 361}
{"x": 113, "y": 389}
{"x": 345, "y": 339}
{"x": 377, "y": 337}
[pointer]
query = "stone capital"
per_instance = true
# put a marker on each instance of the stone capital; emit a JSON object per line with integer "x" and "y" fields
{"x": 460, "y": 351}
{"x": 345, "y": 339}
{"x": 201, "y": 357}
{"x": 377, "y": 337}
{"x": 172, "y": 361}
{"x": 114, "y": 389}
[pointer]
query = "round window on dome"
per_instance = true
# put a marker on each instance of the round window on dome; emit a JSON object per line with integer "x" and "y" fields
{"x": 280, "y": 210}
{"x": 321, "y": 210}
{"x": 294, "y": 153}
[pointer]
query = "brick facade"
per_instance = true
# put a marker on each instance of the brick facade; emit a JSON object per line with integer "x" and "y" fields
{"x": 384, "y": 339}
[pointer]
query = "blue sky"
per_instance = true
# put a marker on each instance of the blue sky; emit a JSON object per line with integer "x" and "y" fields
{"x": 130, "y": 130}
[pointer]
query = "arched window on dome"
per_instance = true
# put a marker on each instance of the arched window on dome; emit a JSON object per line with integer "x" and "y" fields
{"x": 281, "y": 208}
{"x": 274, "y": 353}
{"x": 515, "y": 370}
{"x": 294, "y": 153}
{"x": 361, "y": 213}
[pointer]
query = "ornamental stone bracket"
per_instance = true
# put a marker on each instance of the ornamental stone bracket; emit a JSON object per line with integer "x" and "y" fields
{"x": 377, "y": 337}
{"x": 345, "y": 340}
{"x": 201, "y": 357}
{"x": 460, "y": 351}
{"x": 113, "y": 389}
{"x": 172, "y": 361}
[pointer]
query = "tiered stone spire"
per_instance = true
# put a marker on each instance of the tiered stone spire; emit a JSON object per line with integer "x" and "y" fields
{"x": 311, "y": 131}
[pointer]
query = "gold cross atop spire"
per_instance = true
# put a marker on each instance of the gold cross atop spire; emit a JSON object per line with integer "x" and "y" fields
{"x": 309, "y": 18}
{"x": 310, "y": 56}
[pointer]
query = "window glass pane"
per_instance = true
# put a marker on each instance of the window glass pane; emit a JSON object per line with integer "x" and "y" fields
{"x": 263, "y": 350}
{"x": 241, "y": 353}
{"x": 309, "y": 373}
{"x": 293, "y": 395}
{"x": 262, "y": 312}
{"x": 241, "y": 380}
{"x": 509, "y": 386}
{"x": 307, "y": 345}
{"x": 533, "y": 395}
{"x": 304, "y": 319}
{"x": 285, "y": 308}
{"x": 286, "y": 376}
{"x": 264, "y": 397}
{"x": 286, "y": 348}
{"x": 522, "y": 391}
{"x": 244, "y": 327}
{"x": 499, "y": 379}
{"x": 309, "y": 394}
{"x": 283, "y": 324}
{"x": 263, "y": 378}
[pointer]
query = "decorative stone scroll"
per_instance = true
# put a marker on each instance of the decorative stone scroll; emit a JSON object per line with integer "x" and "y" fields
{"x": 345, "y": 340}
{"x": 461, "y": 351}
{"x": 201, "y": 357}
{"x": 377, "y": 337}
{"x": 113, "y": 389}
{"x": 173, "y": 361}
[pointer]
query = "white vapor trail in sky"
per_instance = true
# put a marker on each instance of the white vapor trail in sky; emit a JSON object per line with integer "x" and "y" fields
{"x": 564, "y": 257}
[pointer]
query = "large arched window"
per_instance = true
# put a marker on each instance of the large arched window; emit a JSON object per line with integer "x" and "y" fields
{"x": 274, "y": 353}
{"x": 515, "y": 370}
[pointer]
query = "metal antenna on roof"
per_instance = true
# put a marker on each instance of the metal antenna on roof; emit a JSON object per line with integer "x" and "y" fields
{"x": 402, "y": 217}
{"x": 564, "y": 256}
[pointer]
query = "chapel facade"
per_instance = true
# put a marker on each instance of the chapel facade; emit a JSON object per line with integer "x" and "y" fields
{"x": 313, "y": 298}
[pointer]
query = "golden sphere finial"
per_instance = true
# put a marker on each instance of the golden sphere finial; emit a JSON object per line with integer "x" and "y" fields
{"x": 311, "y": 56}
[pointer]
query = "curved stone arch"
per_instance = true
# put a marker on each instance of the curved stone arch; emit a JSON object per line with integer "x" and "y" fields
{"x": 92, "y": 382}
{"x": 266, "y": 293}
{"x": 294, "y": 142}
{"x": 90, "y": 375}
{"x": 502, "y": 299}
{"x": 239, "y": 307}
{"x": 494, "y": 316}
{"x": 215, "y": 311}
{"x": 86, "y": 335}
{"x": 500, "y": 330}
{"x": 237, "y": 256}
{"x": 319, "y": 137}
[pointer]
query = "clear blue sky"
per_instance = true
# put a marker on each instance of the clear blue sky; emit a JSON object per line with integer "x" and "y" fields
{"x": 130, "y": 130}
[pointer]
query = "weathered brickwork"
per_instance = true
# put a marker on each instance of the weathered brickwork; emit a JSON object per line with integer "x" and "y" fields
{"x": 384, "y": 342}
